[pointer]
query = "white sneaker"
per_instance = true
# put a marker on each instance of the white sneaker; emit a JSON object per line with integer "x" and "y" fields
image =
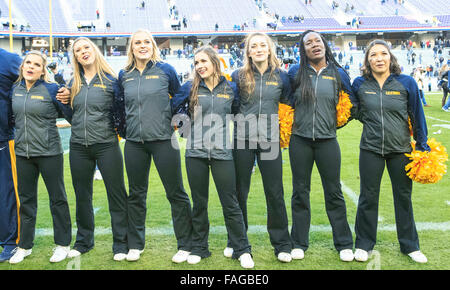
{"x": 134, "y": 255}
{"x": 418, "y": 257}
{"x": 346, "y": 255}
{"x": 73, "y": 253}
{"x": 19, "y": 255}
{"x": 180, "y": 257}
{"x": 246, "y": 261}
{"x": 446, "y": 110}
{"x": 120, "y": 257}
{"x": 297, "y": 254}
{"x": 284, "y": 257}
{"x": 228, "y": 252}
{"x": 361, "y": 255}
{"x": 97, "y": 175}
{"x": 193, "y": 259}
{"x": 59, "y": 254}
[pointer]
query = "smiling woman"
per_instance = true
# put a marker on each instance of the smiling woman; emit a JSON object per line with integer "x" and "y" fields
{"x": 146, "y": 86}
{"x": 386, "y": 100}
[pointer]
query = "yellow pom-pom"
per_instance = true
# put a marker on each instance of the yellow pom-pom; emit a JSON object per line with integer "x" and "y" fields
{"x": 227, "y": 76}
{"x": 286, "y": 118}
{"x": 343, "y": 109}
{"x": 427, "y": 167}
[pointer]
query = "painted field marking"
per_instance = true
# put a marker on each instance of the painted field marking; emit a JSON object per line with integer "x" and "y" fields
{"x": 261, "y": 229}
{"x": 354, "y": 197}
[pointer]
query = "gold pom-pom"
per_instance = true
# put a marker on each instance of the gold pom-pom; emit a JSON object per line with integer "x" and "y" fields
{"x": 286, "y": 118}
{"x": 227, "y": 76}
{"x": 427, "y": 167}
{"x": 343, "y": 109}
{"x": 410, "y": 127}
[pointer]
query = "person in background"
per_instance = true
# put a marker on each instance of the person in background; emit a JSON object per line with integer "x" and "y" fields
{"x": 9, "y": 198}
{"x": 443, "y": 75}
{"x": 57, "y": 75}
{"x": 39, "y": 152}
{"x": 385, "y": 99}
{"x": 94, "y": 97}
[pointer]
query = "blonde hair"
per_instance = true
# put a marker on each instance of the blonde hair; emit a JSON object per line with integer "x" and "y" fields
{"x": 45, "y": 76}
{"x": 101, "y": 66}
{"x": 246, "y": 76}
{"x": 131, "y": 61}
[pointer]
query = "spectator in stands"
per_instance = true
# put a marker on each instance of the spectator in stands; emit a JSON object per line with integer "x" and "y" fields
{"x": 146, "y": 84}
{"x": 262, "y": 85}
{"x": 94, "y": 94}
{"x": 384, "y": 144}
{"x": 57, "y": 75}
{"x": 419, "y": 76}
{"x": 202, "y": 159}
{"x": 39, "y": 153}
{"x": 318, "y": 74}
{"x": 443, "y": 75}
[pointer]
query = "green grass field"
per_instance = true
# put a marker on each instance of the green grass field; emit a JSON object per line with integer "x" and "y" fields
{"x": 431, "y": 209}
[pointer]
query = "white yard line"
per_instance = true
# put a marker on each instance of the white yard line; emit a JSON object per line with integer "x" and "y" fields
{"x": 436, "y": 119}
{"x": 261, "y": 229}
{"x": 354, "y": 197}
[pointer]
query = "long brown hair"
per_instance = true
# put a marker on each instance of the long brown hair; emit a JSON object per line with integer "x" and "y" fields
{"x": 101, "y": 66}
{"x": 246, "y": 76}
{"x": 394, "y": 67}
{"x": 215, "y": 60}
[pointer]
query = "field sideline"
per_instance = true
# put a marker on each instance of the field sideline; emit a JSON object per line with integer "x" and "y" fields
{"x": 431, "y": 209}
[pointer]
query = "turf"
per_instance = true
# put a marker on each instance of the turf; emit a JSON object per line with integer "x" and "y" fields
{"x": 431, "y": 208}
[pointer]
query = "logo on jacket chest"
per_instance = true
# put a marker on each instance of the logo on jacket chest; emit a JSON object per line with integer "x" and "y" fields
{"x": 100, "y": 86}
{"x": 34, "y": 97}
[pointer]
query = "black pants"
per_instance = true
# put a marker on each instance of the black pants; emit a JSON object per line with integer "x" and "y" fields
{"x": 303, "y": 153}
{"x": 445, "y": 93}
{"x": 224, "y": 178}
{"x": 83, "y": 160}
{"x": 272, "y": 177}
{"x": 138, "y": 158}
{"x": 52, "y": 170}
{"x": 9, "y": 198}
{"x": 371, "y": 167}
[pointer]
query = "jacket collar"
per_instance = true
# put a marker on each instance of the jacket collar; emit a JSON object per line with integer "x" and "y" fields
{"x": 221, "y": 80}
{"x": 38, "y": 82}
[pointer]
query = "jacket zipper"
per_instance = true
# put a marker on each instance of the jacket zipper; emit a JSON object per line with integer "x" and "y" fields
{"x": 85, "y": 116}
{"x": 25, "y": 123}
{"x": 260, "y": 105}
{"x": 212, "y": 112}
{"x": 382, "y": 122}
{"x": 139, "y": 108}
{"x": 314, "y": 106}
